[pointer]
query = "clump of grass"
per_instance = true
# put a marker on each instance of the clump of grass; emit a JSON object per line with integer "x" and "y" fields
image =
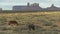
{"x": 47, "y": 24}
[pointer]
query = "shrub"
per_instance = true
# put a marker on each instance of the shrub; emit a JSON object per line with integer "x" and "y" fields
{"x": 47, "y": 24}
{"x": 3, "y": 33}
{"x": 55, "y": 26}
{"x": 5, "y": 28}
{"x": 17, "y": 29}
{"x": 2, "y": 20}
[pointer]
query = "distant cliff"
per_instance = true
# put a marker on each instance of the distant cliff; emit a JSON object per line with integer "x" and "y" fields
{"x": 35, "y": 7}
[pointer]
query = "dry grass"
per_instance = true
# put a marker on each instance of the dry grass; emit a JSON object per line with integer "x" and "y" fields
{"x": 44, "y": 21}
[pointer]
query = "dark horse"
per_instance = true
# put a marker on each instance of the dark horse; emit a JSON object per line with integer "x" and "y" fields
{"x": 31, "y": 27}
{"x": 13, "y": 22}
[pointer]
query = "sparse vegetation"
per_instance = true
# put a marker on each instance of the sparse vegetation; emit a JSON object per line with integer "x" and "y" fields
{"x": 40, "y": 19}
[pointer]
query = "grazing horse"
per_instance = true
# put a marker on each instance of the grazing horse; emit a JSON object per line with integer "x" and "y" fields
{"x": 13, "y": 23}
{"x": 31, "y": 27}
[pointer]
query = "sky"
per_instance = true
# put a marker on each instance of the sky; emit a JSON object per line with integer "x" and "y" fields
{"x": 8, "y": 4}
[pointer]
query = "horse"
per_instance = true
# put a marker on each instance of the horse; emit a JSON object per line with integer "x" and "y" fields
{"x": 31, "y": 27}
{"x": 13, "y": 23}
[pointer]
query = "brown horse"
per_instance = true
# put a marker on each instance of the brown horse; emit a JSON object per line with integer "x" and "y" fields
{"x": 31, "y": 27}
{"x": 13, "y": 23}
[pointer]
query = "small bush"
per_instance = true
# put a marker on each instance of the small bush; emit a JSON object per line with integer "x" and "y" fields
{"x": 47, "y": 24}
{"x": 3, "y": 33}
{"x": 4, "y": 28}
{"x": 17, "y": 29}
{"x": 54, "y": 26}
{"x": 43, "y": 29}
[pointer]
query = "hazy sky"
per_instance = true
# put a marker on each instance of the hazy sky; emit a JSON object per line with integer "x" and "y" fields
{"x": 8, "y": 4}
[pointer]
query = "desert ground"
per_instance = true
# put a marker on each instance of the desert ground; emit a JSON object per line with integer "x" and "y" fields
{"x": 46, "y": 23}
